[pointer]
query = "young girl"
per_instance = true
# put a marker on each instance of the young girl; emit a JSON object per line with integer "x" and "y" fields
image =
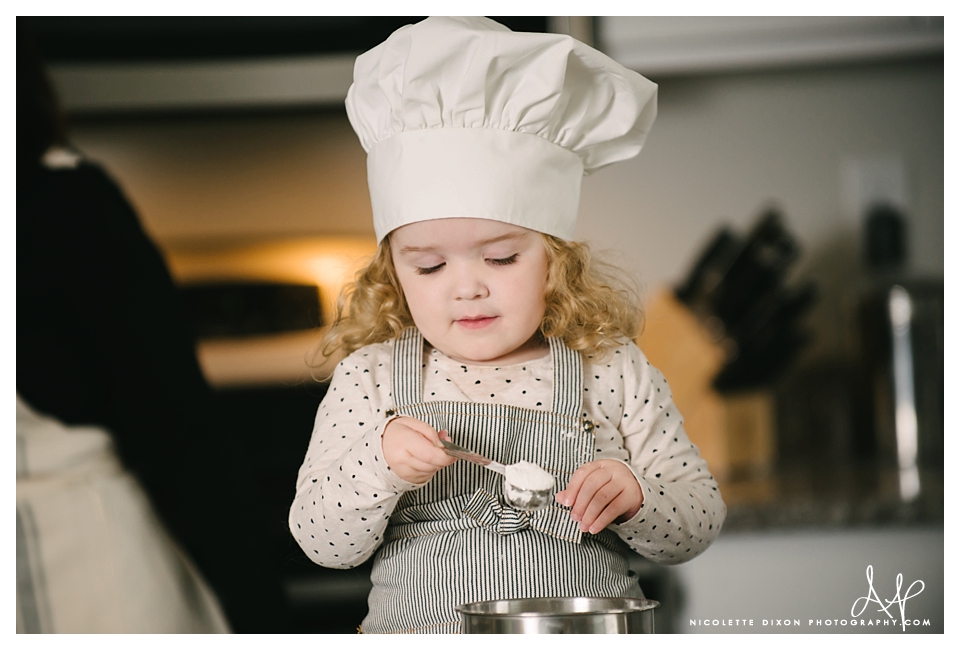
{"x": 479, "y": 322}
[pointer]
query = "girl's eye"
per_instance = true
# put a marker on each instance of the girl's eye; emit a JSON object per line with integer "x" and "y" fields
{"x": 429, "y": 270}
{"x": 504, "y": 261}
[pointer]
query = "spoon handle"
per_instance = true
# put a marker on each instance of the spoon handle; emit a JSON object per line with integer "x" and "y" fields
{"x": 463, "y": 453}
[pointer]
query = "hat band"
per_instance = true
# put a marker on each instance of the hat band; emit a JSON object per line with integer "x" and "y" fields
{"x": 508, "y": 176}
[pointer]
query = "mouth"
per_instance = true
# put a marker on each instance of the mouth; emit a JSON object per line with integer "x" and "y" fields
{"x": 475, "y": 322}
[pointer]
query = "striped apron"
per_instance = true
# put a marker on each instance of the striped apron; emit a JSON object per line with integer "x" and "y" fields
{"x": 455, "y": 541}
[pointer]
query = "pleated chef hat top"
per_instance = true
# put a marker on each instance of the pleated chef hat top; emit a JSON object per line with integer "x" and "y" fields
{"x": 461, "y": 117}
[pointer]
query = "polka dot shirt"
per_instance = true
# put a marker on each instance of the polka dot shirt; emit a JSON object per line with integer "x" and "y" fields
{"x": 346, "y": 492}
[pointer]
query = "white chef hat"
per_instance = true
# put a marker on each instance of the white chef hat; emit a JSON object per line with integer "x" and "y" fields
{"x": 461, "y": 117}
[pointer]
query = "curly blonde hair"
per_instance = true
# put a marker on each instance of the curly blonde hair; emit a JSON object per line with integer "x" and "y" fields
{"x": 588, "y": 305}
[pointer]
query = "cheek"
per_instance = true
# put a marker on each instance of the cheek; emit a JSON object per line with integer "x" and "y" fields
{"x": 408, "y": 291}
{"x": 539, "y": 290}
{"x": 420, "y": 302}
{"x": 531, "y": 297}
{"x": 414, "y": 300}
{"x": 409, "y": 284}
{"x": 541, "y": 300}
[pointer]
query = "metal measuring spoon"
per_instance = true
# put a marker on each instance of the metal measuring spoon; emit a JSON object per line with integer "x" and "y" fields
{"x": 518, "y": 495}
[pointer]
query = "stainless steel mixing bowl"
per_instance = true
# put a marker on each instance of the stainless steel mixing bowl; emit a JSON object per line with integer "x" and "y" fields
{"x": 559, "y": 616}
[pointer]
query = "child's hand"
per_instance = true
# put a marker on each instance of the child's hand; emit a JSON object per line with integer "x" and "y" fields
{"x": 412, "y": 450}
{"x": 602, "y": 492}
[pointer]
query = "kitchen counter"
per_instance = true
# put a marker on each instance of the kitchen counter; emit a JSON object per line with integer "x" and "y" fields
{"x": 844, "y": 498}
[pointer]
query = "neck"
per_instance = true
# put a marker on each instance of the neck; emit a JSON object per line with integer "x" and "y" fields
{"x": 536, "y": 347}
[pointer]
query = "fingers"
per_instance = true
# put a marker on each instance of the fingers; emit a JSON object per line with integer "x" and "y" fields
{"x": 426, "y": 445}
{"x": 596, "y": 519}
{"x": 412, "y": 449}
{"x": 595, "y": 493}
{"x": 600, "y": 493}
{"x": 419, "y": 426}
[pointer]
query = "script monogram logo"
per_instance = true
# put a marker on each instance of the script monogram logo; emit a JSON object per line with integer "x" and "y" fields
{"x": 884, "y": 605}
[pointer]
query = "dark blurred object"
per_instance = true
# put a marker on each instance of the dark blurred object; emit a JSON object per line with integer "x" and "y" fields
{"x": 167, "y": 38}
{"x": 737, "y": 289}
{"x": 103, "y": 339}
{"x": 902, "y": 328}
{"x": 725, "y": 336}
{"x": 885, "y": 238}
{"x": 709, "y": 270}
{"x": 40, "y": 125}
{"x": 228, "y": 309}
{"x": 276, "y": 424}
{"x": 820, "y": 415}
{"x": 901, "y": 355}
{"x": 756, "y": 271}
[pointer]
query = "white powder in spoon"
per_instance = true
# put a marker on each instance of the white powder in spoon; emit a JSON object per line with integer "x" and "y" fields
{"x": 529, "y": 476}
{"x": 527, "y": 487}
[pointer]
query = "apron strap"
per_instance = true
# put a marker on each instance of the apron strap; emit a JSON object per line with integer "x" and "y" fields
{"x": 567, "y": 379}
{"x": 407, "y": 373}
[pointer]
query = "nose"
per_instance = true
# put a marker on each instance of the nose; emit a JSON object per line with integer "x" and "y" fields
{"x": 469, "y": 284}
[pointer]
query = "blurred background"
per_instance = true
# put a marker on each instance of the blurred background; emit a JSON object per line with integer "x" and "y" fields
{"x": 784, "y": 220}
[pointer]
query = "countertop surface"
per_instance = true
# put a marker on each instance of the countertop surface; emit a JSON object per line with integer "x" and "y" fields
{"x": 836, "y": 499}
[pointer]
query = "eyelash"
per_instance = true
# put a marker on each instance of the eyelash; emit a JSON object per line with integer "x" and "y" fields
{"x": 428, "y": 271}
{"x": 504, "y": 261}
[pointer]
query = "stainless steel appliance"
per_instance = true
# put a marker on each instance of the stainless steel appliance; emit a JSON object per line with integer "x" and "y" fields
{"x": 902, "y": 326}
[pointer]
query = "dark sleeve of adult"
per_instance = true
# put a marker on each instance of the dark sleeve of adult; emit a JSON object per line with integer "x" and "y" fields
{"x": 120, "y": 326}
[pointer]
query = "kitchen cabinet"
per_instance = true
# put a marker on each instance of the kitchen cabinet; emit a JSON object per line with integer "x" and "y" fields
{"x": 685, "y": 45}
{"x": 280, "y": 74}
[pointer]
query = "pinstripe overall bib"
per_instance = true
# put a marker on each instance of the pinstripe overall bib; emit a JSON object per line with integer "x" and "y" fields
{"x": 455, "y": 541}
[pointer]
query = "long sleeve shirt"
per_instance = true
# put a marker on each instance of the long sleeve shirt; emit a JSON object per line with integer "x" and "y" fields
{"x": 346, "y": 492}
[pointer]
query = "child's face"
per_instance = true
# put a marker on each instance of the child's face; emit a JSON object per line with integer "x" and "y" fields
{"x": 475, "y": 287}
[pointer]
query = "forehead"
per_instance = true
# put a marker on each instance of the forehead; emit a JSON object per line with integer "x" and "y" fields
{"x": 456, "y": 233}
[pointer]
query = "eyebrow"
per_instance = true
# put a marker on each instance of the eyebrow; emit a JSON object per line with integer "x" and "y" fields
{"x": 485, "y": 242}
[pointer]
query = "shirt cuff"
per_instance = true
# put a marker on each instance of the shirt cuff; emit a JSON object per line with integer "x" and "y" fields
{"x": 382, "y": 470}
{"x": 651, "y": 497}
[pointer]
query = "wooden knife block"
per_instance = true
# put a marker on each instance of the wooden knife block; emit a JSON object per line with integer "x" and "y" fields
{"x": 734, "y": 431}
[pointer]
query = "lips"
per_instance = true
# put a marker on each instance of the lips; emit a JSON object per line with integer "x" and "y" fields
{"x": 475, "y": 322}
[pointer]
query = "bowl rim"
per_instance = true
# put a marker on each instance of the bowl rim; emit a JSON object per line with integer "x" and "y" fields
{"x": 639, "y": 605}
